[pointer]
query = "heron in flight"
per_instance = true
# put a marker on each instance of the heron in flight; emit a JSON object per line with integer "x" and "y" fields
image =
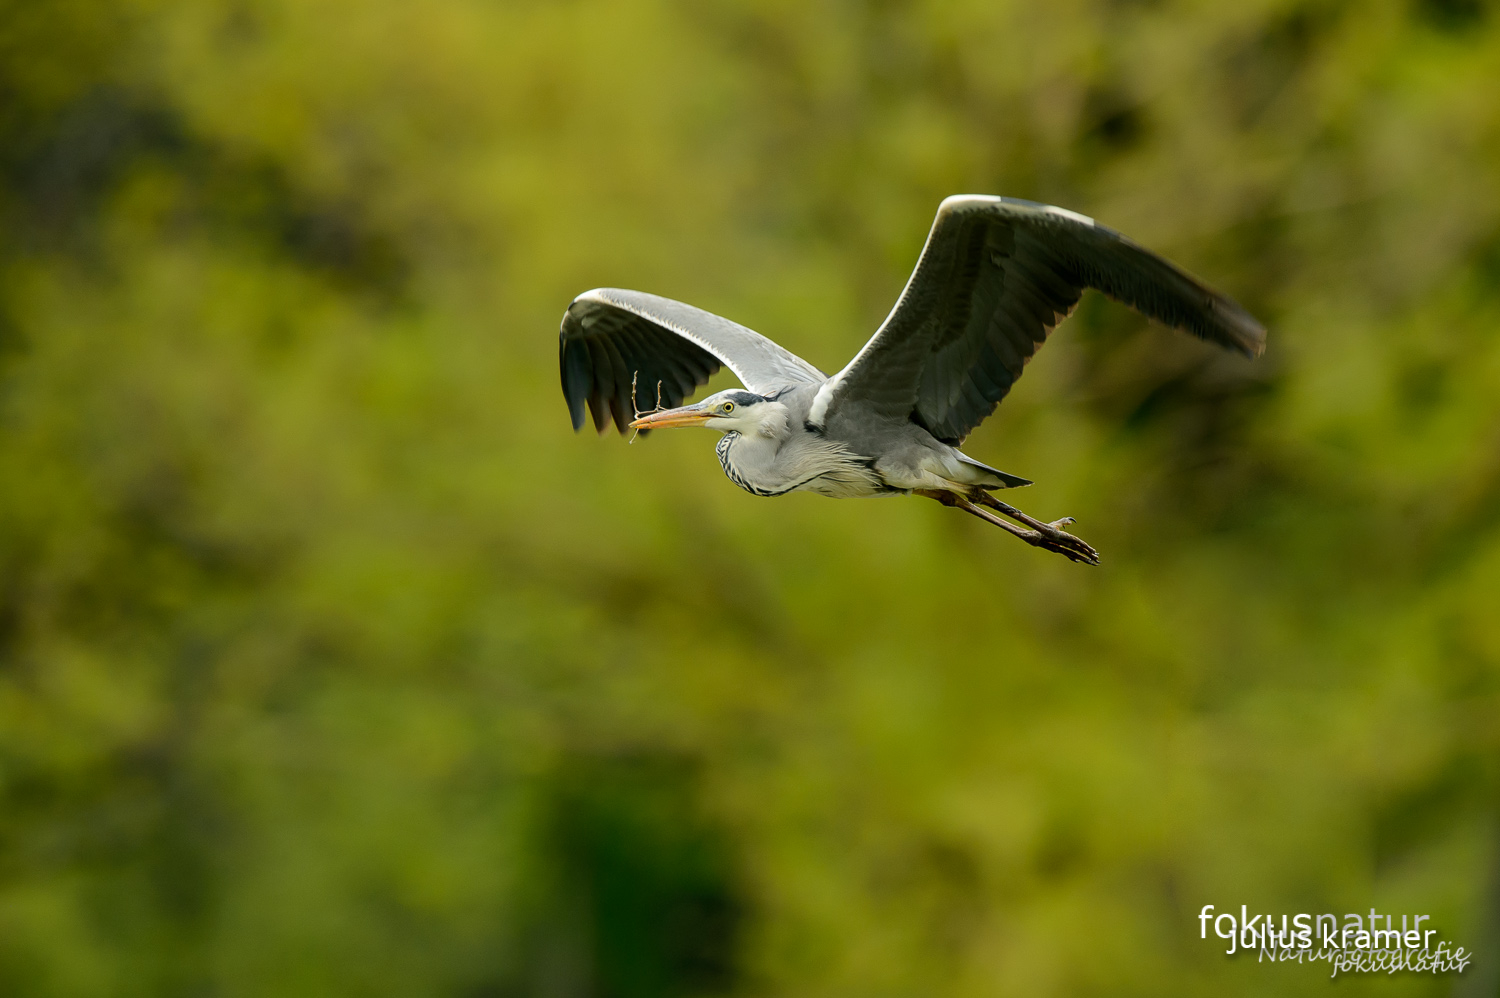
{"x": 996, "y": 275}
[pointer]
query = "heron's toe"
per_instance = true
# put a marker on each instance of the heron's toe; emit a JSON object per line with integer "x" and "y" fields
{"x": 1065, "y": 544}
{"x": 1074, "y": 547}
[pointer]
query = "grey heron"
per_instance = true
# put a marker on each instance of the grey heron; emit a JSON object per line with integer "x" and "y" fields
{"x": 994, "y": 278}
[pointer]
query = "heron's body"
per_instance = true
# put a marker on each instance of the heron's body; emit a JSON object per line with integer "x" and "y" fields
{"x": 995, "y": 277}
{"x": 783, "y": 451}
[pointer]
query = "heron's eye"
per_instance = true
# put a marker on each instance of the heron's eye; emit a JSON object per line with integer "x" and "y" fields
{"x": 728, "y": 408}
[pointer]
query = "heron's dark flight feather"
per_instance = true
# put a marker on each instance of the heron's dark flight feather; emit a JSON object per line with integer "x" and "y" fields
{"x": 996, "y": 276}
{"x": 610, "y": 337}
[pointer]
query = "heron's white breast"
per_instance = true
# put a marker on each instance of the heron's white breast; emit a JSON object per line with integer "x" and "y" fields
{"x": 804, "y": 463}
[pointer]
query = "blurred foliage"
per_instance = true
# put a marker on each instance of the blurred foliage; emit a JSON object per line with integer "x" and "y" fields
{"x": 331, "y": 663}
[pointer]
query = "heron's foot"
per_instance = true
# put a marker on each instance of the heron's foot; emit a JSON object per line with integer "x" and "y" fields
{"x": 1052, "y": 537}
{"x": 1048, "y": 536}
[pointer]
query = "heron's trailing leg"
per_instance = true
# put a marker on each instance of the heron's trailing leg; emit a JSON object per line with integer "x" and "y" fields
{"x": 1050, "y": 536}
{"x": 1053, "y": 531}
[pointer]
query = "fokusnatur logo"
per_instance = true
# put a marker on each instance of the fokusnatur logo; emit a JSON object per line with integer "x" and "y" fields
{"x": 1353, "y": 944}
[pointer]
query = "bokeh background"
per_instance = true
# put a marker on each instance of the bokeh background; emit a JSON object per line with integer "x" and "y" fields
{"x": 333, "y": 663}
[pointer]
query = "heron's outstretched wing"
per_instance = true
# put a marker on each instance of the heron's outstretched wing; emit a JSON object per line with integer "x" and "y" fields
{"x": 994, "y": 278}
{"x": 612, "y": 338}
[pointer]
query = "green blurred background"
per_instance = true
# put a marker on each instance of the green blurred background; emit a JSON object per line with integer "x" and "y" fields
{"x": 333, "y": 663}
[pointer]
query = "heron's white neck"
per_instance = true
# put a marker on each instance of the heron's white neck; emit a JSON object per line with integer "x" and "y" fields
{"x": 767, "y": 464}
{"x": 774, "y": 422}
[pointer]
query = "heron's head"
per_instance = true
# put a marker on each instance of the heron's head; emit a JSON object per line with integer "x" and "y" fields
{"x": 733, "y": 411}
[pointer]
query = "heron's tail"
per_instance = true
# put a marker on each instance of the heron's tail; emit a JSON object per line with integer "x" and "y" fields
{"x": 1002, "y": 480}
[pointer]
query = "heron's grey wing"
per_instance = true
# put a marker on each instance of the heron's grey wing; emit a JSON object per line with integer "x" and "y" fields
{"x": 611, "y": 336}
{"x": 997, "y": 274}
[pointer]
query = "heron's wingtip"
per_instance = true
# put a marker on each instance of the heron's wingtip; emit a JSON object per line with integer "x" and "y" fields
{"x": 1238, "y": 328}
{"x": 1255, "y": 344}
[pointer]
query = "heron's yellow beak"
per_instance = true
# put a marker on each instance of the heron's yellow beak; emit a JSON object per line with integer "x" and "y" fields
{"x": 688, "y": 415}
